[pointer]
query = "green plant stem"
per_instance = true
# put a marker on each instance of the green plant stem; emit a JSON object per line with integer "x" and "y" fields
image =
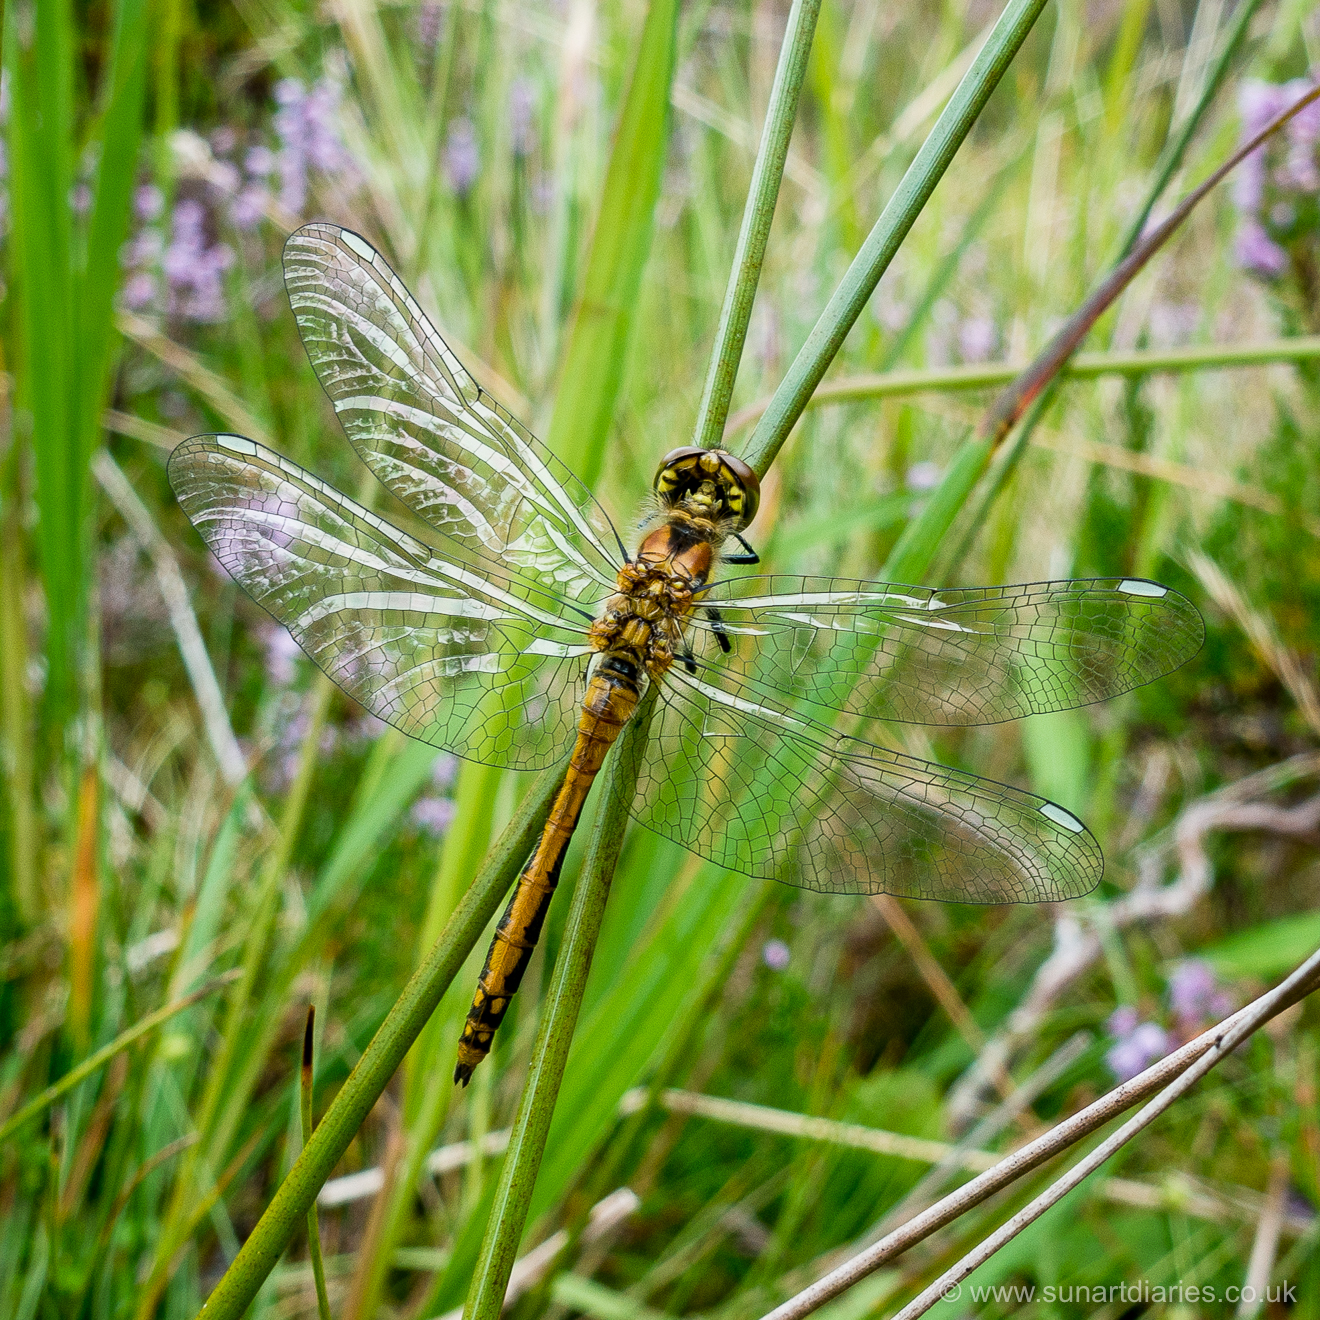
{"x": 107, "y": 1052}
{"x": 759, "y": 213}
{"x": 1085, "y": 366}
{"x": 290, "y": 1204}
{"x": 305, "y": 1080}
{"x": 554, "y": 1034}
{"x": 890, "y": 229}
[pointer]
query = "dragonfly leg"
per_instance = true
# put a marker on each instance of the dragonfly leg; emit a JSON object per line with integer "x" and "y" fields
{"x": 718, "y": 628}
{"x": 751, "y": 557}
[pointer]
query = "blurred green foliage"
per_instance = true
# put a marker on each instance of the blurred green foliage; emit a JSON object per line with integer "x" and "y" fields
{"x": 471, "y": 142}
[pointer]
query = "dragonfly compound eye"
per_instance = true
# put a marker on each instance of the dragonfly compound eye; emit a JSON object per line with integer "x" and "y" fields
{"x": 683, "y": 473}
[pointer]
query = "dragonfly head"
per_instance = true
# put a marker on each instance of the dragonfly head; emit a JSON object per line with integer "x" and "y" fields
{"x": 709, "y": 484}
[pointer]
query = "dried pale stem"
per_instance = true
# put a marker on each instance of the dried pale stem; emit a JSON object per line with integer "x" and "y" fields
{"x": 1009, "y": 407}
{"x": 1225, "y": 1039}
{"x": 1213, "y": 1044}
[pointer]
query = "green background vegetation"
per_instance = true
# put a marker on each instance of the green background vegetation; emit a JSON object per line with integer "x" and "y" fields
{"x": 577, "y": 256}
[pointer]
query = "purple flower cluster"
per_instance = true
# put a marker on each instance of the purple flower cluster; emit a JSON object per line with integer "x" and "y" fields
{"x": 1136, "y": 1044}
{"x": 462, "y": 156}
{"x": 174, "y": 264}
{"x": 191, "y": 263}
{"x": 1196, "y": 997}
{"x": 433, "y": 812}
{"x": 1277, "y": 188}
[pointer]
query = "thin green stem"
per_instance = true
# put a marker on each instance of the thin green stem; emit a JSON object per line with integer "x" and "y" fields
{"x": 1085, "y": 366}
{"x": 759, "y": 213}
{"x": 305, "y": 1080}
{"x": 531, "y": 1126}
{"x": 890, "y": 229}
{"x": 107, "y": 1052}
{"x": 290, "y": 1204}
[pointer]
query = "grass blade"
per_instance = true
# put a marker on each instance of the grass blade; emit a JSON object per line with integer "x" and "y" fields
{"x": 103, "y": 1056}
{"x": 890, "y": 229}
{"x": 305, "y": 1079}
{"x": 759, "y": 213}
{"x": 591, "y": 376}
{"x": 531, "y": 1126}
{"x": 340, "y": 1123}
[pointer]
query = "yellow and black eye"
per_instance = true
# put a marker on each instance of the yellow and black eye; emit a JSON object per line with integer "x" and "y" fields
{"x": 683, "y": 471}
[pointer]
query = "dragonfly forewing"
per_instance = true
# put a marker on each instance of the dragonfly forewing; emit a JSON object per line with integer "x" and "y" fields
{"x": 464, "y": 656}
{"x": 429, "y": 432}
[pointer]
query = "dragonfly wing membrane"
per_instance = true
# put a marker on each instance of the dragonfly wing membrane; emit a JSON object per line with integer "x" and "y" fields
{"x": 445, "y": 651}
{"x": 428, "y": 431}
{"x": 977, "y": 655}
{"x": 761, "y": 790}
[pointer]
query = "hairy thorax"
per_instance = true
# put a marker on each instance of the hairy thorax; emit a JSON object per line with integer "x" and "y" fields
{"x": 643, "y": 622}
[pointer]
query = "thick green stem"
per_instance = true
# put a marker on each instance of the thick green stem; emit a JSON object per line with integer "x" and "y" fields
{"x": 882, "y": 243}
{"x": 289, "y": 1206}
{"x": 758, "y": 215}
{"x": 513, "y": 1195}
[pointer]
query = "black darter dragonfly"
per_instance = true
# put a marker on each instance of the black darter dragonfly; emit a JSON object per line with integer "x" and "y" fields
{"x": 528, "y": 627}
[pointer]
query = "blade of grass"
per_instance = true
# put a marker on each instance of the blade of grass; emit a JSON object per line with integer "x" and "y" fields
{"x": 339, "y": 1124}
{"x": 591, "y": 375}
{"x": 531, "y": 1126}
{"x": 758, "y": 215}
{"x": 305, "y": 1077}
{"x": 103, "y": 1056}
{"x": 890, "y": 229}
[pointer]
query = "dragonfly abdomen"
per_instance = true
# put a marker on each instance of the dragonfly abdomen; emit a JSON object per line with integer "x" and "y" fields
{"x": 609, "y": 703}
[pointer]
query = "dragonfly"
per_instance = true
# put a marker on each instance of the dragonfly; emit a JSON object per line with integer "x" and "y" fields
{"x": 513, "y": 623}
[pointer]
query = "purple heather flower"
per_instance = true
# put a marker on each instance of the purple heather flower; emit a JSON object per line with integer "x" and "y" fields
{"x": 139, "y": 291}
{"x": 977, "y": 339}
{"x": 281, "y": 656}
{"x": 522, "y": 112}
{"x": 1196, "y": 996}
{"x": 305, "y": 126}
{"x": 776, "y": 955}
{"x": 223, "y": 140}
{"x": 1257, "y": 252}
{"x": 428, "y": 21}
{"x": 249, "y": 206}
{"x": 148, "y": 203}
{"x": 433, "y": 814}
{"x": 1136, "y": 1049}
{"x": 922, "y": 476}
{"x": 444, "y": 770}
{"x": 1122, "y": 1021}
{"x": 462, "y": 156}
{"x": 195, "y": 267}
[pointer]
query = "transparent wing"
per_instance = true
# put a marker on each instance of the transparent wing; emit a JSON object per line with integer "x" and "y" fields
{"x": 484, "y": 666}
{"x": 761, "y": 790}
{"x": 428, "y": 431}
{"x": 970, "y": 656}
